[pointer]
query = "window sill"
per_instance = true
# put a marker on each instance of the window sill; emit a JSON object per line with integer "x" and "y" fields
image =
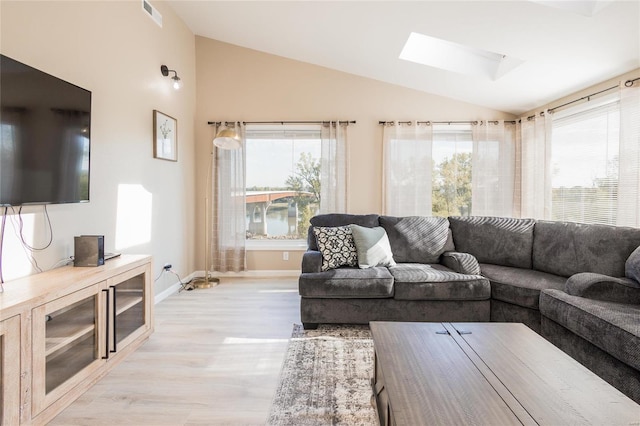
{"x": 275, "y": 245}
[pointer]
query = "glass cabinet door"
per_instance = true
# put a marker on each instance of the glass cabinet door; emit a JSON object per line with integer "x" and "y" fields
{"x": 65, "y": 344}
{"x": 129, "y": 302}
{"x": 128, "y": 295}
{"x": 10, "y": 371}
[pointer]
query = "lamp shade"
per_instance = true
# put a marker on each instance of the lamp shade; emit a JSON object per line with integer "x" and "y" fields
{"x": 227, "y": 139}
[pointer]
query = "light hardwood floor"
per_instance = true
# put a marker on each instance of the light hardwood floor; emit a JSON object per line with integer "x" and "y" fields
{"x": 214, "y": 359}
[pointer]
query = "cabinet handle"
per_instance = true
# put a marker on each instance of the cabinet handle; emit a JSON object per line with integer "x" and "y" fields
{"x": 107, "y": 326}
{"x": 115, "y": 317}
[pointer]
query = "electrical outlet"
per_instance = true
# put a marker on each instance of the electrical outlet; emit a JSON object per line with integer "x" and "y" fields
{"x": 285, "y": 255}
{"x": 167, "y": 266}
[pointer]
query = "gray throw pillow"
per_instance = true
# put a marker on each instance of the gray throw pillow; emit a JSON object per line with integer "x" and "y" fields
{"x": 372, "y": 245}
{"x": 336, "y": 245}
{"x": 632, "y": 265}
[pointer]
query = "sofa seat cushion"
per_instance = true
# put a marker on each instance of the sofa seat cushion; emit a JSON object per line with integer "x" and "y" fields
{"x": 347, "y": 283}
{"x": 416, "y": 281}
{"x": 613, "y": 327}
{"x": 519, "y": 286}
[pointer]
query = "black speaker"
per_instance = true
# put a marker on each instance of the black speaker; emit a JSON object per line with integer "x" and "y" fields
{"x": 88, "y": 250}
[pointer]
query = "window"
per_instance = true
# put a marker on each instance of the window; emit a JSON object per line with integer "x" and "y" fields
{"x": 585, "y": 163}
{"x": 282, "y": 180}
{"x": 427, "y": 169}
{"x": 451, "y": 179}
{"x": 449, "y": 169}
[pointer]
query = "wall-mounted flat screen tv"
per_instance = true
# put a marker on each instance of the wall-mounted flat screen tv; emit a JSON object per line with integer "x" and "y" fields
{"x": 45, "y": 128}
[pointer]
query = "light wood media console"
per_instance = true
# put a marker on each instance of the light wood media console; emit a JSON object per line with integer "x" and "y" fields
{"x": 62, "y": 330}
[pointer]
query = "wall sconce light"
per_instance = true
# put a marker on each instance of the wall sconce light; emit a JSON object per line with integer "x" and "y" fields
{"x": 177, "y": 83}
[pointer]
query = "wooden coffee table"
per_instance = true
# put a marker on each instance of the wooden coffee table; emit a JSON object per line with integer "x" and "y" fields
{"x": 486, "y": 373}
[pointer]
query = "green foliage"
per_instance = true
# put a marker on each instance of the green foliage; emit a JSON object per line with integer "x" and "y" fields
{"x": 267, "y": 188}
{"x": 451, "y": 192}
{"x": 304, "y": 216}
{"x": 305, "y": 180}
{"x": 306, "y": 177}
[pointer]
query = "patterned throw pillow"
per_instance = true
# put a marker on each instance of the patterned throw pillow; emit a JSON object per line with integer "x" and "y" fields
{"x": 336, "y": 245}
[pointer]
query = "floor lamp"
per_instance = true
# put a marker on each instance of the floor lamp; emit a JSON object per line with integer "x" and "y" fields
{"x": 224, "y": 139}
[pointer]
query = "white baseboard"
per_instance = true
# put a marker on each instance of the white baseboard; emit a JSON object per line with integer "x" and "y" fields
{"x": 175, "y": 288}
{"x": 284, "y": 273}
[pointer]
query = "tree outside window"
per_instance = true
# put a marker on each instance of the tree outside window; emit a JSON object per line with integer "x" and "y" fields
{"x": 283, "y": 181}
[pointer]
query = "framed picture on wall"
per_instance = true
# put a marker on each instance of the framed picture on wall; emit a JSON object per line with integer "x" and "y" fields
{"x": 165, "y": 136}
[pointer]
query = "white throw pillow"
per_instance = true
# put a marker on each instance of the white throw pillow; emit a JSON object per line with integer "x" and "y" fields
{"x": 372, "y": 245}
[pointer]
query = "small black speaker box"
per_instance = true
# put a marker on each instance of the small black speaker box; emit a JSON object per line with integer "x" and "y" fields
{"x": 88, "y": 250}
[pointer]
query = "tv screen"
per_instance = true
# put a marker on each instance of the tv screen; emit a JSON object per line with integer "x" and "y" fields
{"x": 45, "y": 128}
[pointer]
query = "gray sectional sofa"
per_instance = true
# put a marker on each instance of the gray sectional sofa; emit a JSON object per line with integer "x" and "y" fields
{"x": 575, "y": 284}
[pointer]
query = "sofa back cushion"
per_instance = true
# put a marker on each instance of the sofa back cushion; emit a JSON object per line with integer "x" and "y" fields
{"x": 566, "y": 248}
{"x": 339, "y": 219}
{"x": 497, "y": 240}
{"x": 416, "y": 239}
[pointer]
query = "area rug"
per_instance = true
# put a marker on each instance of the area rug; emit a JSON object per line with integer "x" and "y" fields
{"x": 325, "y": 378}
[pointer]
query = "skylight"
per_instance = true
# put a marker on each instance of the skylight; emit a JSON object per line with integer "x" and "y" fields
{"x": 450, "y": 56}
{"x": 582, "y": 7}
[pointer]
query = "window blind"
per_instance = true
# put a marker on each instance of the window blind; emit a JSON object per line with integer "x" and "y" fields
{"x": 585, "y": 162}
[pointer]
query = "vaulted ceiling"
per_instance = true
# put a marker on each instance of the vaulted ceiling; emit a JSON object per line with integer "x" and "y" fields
{"x": 564, "y": 46}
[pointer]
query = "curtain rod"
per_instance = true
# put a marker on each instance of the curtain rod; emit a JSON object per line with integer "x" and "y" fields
{"x": 218, "y": 123}
{"x": 429, "y": 123}
{"x": 627, "y": 83}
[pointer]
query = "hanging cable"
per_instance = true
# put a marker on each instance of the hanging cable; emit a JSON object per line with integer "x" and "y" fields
{"x": 16, "y": 224}
{"x": 23, "y": 240}
{"x": 4, "y": 221}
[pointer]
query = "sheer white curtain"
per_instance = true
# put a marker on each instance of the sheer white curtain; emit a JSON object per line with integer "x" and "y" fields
{"x": 228, "y": 211}
{"x": 333, "y": 167}
{"x": 629, "y": 168}
{"x": 407, "y": 164}
{"x": 493, "y": 169}
{"x": 533, "y": 173}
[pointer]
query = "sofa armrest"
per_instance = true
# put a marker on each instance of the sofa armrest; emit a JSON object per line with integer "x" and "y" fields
{"x": 462, "y": 263}
{"x": 311, "y": 261}
{"x": 603, "y": 287}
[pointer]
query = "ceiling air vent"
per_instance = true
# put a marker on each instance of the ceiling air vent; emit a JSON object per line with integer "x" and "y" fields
{"x": 153, "y": 12}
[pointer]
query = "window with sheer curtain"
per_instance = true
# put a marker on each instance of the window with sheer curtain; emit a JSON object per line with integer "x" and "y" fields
{"x": 585, "y": 162}
{"x": 452, "y": 166}
{"x": 448, "y": 169}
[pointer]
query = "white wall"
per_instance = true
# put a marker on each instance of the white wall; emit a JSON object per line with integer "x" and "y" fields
{"x": 114, "y": 50}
